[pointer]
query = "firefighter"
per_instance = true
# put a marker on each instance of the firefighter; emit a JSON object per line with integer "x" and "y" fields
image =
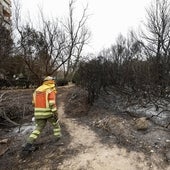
{"x": 45, "y": 109}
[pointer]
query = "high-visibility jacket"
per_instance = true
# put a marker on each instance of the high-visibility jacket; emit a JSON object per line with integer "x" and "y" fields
{"x": 44, "y": 100}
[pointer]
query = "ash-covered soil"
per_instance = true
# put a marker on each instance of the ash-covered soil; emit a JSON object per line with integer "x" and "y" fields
{"x": 94, "y": 137}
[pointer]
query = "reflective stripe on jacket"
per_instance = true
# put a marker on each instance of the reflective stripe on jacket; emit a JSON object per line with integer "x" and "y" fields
{"x": 44, "y": 99}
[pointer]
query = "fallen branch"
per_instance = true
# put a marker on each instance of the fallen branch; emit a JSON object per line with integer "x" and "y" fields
{"x": 4, "y": 141}
{"x": 9, "y": 120}
{"x": 3, "y": 150}
{"x": 167, "y": 125}
{"x": 1, "y": 97}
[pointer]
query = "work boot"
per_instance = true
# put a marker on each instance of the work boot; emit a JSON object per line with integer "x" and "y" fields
{"x": 28, "y": 148}
{"x": 57, "y": 141}
{"x": 58, "y": 137}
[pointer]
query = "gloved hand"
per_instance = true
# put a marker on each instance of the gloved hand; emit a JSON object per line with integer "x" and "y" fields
{"x": 33, "y": 119}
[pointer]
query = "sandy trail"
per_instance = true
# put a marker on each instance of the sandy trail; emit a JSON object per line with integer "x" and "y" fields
{"x": 94, "y": 155}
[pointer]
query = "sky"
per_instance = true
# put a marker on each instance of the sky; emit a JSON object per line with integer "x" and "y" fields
{"x": 108, "y": 18}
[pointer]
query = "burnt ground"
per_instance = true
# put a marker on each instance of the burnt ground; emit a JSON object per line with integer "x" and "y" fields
{"x": 111, "y": 127}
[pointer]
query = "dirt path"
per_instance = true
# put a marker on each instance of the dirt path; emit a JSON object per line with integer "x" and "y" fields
{"x": 94, "y": 155}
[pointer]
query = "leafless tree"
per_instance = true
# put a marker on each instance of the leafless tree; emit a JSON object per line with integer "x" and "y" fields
{"x": 158, "y": 28}
{"x": 6, "y": 44}
{"x": 77, "y": 37}
{"x": 157, "y": 36}
{"x": 55, "y": 45}
{"x": 40, "y": 49}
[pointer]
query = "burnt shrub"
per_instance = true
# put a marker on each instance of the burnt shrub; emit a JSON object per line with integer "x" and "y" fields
{"x": 62, "y": 82}
{"x": 22, "y": 82}
{"x": 92, "y": 76}
{"x": 4, "y": 83}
